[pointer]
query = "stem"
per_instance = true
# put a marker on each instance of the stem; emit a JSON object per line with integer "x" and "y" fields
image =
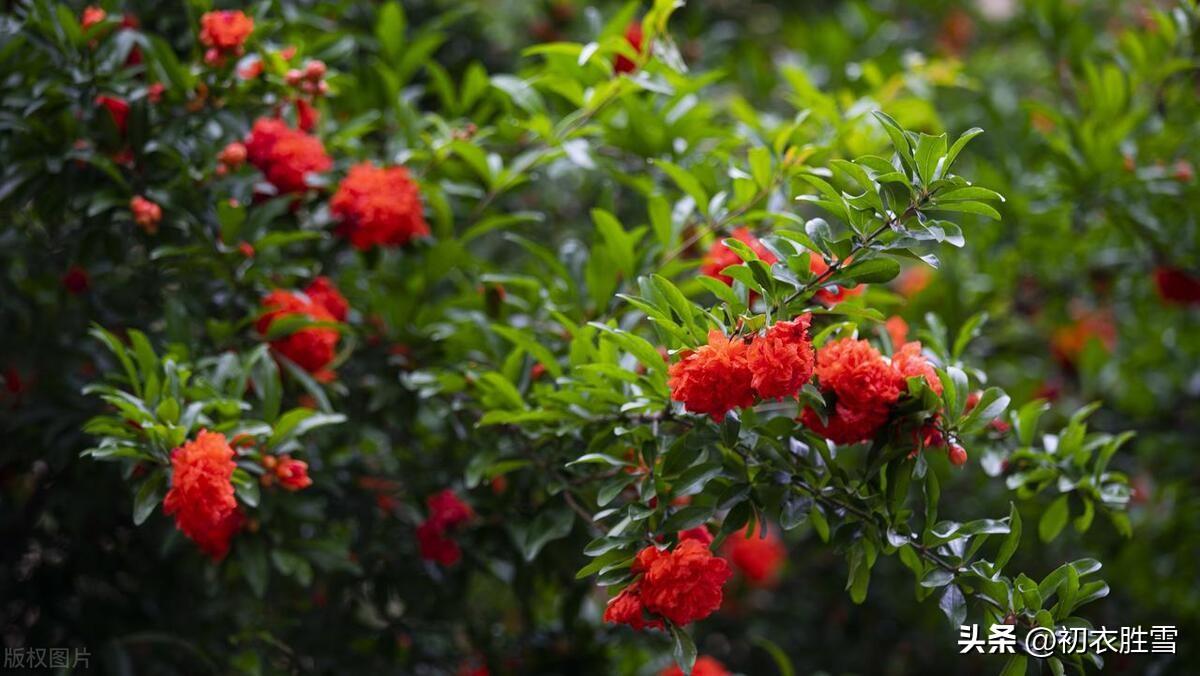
{"x": 858, "y": 246}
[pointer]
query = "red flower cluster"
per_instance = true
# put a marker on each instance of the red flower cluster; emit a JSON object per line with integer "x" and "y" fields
{"x": 292, "y": 474}
{"x": 720, "y": 256}
{"x": 705, "y": 666}
{"x": 322, "y": 292}
{"x": 146, "y": 214}
{"x": 379, "y": 207}
{"x": 310, "y": 347}
{"x": 635, "y": 38}
{"x": 758, "y": 558}
{"x": 284, "y": 155}
{"x": 1176, "y": 286}
{"x": 682, "y": 585}
{"x": 782, "y": 360}
{"x": 728, "y": 373}
{"x": 910, "y": 363}
{"x": 446, "y": 511}
{"x": 864, "y": 386}
{"x": 201, "y": 495}
{"x": 224, "y": 32}
{"x": 714, "y": 379}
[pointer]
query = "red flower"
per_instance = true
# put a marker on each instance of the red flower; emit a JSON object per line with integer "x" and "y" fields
{"x": 310, "y": 347}
{"x": 92, "y": 15}
{"x": 635, "y": 38}
{"x": 683, "y": 584}
{"x": 250, "y": 69}
{"x": 863, "y": 386}
{"x": 1068, "y": 342}
{"x": 447, "y": 510}
{"x": 721, "y": 256}
{"x": 1183, "y": 171}
{"x": 378, "y": 207}
{"x": 284, "y": 155}
{"x": 846, "y": 424}
{"x": 913, "y": 280}
{"x": 897, "y": 330}
{"x": 857, "y": 374}
{"x": 322, "y": 292}
{"x": 292, "y": 474}
{"x": 435, "y": 545}
{"x": 781, "y": 361}
{"x": 1176, "y": 286}
{"x": 201, "y": 495}
{"x": 705, "y": 666}
{"x": 146, "y": 214}
{"x": 306, "y": 115}
{"x": 154, "y": 92}
{"x": 699, "y": 534}
{"x": 226, "y": 31}
{"x": 13, "y": 383}
{"x": 758, "y": 558}
{"x": 909, "y": 362}
{"x": 627, "y": 608}
{"x": 834, "y": 294}
{"x": 76, "y": 280}
{"x": 118, "y": 108}
{"x": 714, "y": 379}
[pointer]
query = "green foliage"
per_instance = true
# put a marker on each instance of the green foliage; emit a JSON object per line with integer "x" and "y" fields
{"x": 519, "y": 355}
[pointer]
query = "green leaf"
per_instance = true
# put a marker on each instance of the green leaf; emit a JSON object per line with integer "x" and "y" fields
{"x": 760, "y": 166}
{"x": 149, "y": 494}
{"x": 1012, "y": 540}
{"x": 992, "y": 404}
{"x": 967, "y": 208}
{"x": 530, "y": 344}
{"x": 1015, "y": 666}
{"x": 114, "y": 345}
{"x": 870, "y": 271}
{"x": 683, "y": 649}
{"x": 782, "y": 662}
{"x": 929, "y": 153}
{"x": 688, "y": 183}
{"x": 969, "y": 330}
{"x": 969, "y": 193}
{"x": 954, "y": 605}
{"x": 900, "y": 141}
{"x": 817, "y": 517}
{"x": 549, "y": 525}
{"x": 958, "y": 146}
{"x": 1053, "y": 519}
{"x": 246, "y": 487}
{"x": 252, "y": 556}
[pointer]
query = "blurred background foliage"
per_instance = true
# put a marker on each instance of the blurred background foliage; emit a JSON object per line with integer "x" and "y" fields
{"x": 1091, "y": 118}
